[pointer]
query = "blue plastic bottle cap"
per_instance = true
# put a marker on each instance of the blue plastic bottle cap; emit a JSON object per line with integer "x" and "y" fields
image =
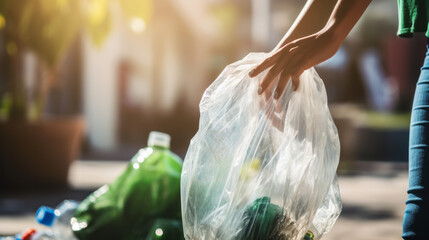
{"x": 45, "y": 215}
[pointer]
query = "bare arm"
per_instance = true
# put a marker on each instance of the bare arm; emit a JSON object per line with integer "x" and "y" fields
{"x": 312, "y": 18}
{"x": 293, "y": 58}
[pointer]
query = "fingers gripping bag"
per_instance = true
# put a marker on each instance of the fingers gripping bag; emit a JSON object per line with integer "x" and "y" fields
{"x": 258, "y": 168}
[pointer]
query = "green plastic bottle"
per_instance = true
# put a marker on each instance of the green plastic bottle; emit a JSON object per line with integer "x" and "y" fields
{"x": 166, "y": 229}
{"x": 261, "y": 220}
{"x": 148, "y": 189}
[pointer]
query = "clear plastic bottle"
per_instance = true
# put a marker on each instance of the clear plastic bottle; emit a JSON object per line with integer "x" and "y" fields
{"x": 58, "y": 219}
{"x": 43, "y": 235}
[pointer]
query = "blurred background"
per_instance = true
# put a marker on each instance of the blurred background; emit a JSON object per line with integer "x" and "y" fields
{"x": 82, "y": 83}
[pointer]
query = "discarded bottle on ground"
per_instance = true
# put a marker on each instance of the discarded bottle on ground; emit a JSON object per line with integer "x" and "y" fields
{"x": 165, "y": 229}
{"x": 147, "y": 190}
{"x": 43, "y": 235}
{"x": 59, "y": 219}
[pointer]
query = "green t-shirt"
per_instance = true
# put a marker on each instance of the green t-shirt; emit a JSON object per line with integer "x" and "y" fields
{"x": 413, "y": 17}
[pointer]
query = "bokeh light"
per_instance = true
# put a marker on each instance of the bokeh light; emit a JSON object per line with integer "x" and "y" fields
{"x": 137, "y": 25}
{"x": 2, "y": 22}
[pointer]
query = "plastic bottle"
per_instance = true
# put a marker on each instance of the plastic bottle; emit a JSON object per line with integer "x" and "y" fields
{"x": 261, "y": 220}
{"x": 148, "y": 189}
{"x": 58, "y": 219}
{"x": 26, "y": 235}
{"x": 166, "y": 229}
{"x": 43, "y": 235}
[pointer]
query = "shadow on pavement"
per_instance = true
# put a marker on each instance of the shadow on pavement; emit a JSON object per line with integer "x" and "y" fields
{"x": 21, "y": 203}
{"x": 359, "y": 212}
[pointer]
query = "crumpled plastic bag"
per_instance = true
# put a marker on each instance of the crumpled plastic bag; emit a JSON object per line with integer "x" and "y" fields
{"x": 259, "y": 168}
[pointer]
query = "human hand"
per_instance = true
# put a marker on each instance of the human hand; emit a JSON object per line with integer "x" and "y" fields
{"x": 292, "y": 59}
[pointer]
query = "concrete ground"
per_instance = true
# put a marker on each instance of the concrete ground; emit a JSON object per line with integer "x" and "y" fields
{"x": 373, "y": 199}
{"x": 373, "y": 207}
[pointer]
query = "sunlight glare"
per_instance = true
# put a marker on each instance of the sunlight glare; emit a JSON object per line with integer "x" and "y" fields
{"x": 137, "y": 25}
{"x": 159, "y": 232}
{"x": 2, "y": 22}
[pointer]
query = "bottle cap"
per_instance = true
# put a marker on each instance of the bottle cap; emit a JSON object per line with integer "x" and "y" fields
{"x": 158, "y": 139}
{"x": 28, "y": 234}
{"x": 45, "y": 215}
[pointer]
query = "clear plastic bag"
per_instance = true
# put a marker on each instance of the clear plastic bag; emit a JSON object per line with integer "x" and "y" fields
{"x": 259, "y": 168}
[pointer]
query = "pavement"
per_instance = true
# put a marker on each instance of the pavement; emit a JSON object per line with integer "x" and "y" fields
{"x": 373, "y": 199}
{"x": 373, "y": 207}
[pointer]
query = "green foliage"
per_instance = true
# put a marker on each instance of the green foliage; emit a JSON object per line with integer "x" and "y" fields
{"x": 137, "y": 9}
{"x": 47, "y": 28}
{"x": 5, "y": 106}
{"x": 98, "y": 20}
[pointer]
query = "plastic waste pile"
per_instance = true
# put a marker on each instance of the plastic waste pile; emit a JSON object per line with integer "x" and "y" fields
{"x": 147, "y": 194}
{"x": 58, "y": 221}
{"x": 143, "y": 203}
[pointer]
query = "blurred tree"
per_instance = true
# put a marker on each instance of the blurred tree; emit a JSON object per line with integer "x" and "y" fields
{"x": 47, "y": 28}
{"x": 140, "y": 9}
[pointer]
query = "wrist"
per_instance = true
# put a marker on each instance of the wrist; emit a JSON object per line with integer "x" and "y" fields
{"x": 333, "y": 32}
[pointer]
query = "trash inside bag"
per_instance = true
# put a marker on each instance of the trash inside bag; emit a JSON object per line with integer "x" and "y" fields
{"x": 149, "y": 189}
{"x": 258, "y": 168}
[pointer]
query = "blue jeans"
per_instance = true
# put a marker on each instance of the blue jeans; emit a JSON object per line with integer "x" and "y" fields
{"x": 416, "y": 224}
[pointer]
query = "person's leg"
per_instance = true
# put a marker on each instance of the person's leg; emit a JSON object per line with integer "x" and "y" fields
{"x": 416, "y": 224}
